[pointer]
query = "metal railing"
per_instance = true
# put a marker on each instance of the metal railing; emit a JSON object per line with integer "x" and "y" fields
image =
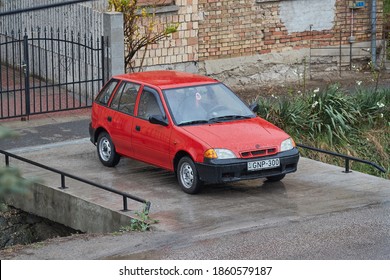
{"x": 345, "y": 157}
{"x": 64, "y": 175}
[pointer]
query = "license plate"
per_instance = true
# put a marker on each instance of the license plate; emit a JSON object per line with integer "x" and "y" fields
{"x": 263, "y": 164}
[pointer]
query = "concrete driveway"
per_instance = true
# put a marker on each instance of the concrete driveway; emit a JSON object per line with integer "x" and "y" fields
{"x": 318, "y": 194}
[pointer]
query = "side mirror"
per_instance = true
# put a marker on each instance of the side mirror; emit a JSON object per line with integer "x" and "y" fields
{"x": 254, "y": 107}
{"x": 158, "y": 119}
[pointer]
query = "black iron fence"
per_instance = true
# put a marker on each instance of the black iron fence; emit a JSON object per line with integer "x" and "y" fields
{"x": 47, "y": 70}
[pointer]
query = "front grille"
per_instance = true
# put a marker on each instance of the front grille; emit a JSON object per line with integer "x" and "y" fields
{"x": 258, "y": 153}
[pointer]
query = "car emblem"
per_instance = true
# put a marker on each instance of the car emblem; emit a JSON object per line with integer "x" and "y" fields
{"x": 257, "y": 146}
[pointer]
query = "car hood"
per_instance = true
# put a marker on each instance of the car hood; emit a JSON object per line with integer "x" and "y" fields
{"x": 239, "y": 135}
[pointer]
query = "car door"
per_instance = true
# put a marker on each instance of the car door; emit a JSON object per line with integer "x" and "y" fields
{"x": 121, "y": 117}
{"x": 151, "y": 141}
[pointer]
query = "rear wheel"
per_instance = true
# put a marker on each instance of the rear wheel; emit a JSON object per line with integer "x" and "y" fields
{"x": 106, "y": 150}
{"x": 275, "y": 178}
{"x": 187, "y": 176}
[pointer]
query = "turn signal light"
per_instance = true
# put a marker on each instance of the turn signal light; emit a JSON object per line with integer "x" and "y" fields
{"x": 210, "y": 153}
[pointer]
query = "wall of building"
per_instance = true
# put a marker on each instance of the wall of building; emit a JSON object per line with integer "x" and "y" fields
{"x": 84, "y": 18}
{"x": 238, "y": 41}
{"x": 246, "y": 42}
{"x": 249, "y": 43}
{"x": 181, "y": 49}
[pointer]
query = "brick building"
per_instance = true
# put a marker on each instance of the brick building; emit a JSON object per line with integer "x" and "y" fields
{"x": 246, "y": 41}
{"x": 241, "y": 42}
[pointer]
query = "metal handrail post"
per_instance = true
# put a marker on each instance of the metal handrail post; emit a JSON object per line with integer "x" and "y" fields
{"x": 125, "y": 203}
{"x": 63, "y": 186}
{"x": 347, "y": 166}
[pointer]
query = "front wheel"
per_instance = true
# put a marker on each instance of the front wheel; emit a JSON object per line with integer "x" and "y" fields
{"x": 187, "y": 176}
{"x": 275, "y": 178}
{"x": 106, "y": 150}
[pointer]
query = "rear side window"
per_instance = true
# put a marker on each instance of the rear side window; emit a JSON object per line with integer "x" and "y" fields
{"x": 125, "y": 97}
{"x": 106, "y": 92}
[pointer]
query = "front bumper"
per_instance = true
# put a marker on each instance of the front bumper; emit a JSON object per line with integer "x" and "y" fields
{"x": 222, "y": 171}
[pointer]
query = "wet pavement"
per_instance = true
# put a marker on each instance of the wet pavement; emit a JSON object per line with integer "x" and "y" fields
{"x": 319, "y": 212}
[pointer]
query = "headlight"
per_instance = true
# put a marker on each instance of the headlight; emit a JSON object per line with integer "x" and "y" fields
{"x": 219, "y": 153}
{"x": 287, "y": 144}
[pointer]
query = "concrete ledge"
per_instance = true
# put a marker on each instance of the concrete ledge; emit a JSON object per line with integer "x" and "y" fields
{"x": 66, "y": 209}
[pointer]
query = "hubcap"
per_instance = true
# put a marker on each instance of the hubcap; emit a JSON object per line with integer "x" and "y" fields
{"x": 187, "y": 175}
{"x": 105, "y": 149}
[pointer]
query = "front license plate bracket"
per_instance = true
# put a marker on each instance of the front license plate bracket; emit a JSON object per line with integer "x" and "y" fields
{"x": 263, "y": 164}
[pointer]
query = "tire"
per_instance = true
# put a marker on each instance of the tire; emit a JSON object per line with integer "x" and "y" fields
{"x": 187, "y": 176}
{"x": 276, "y": 178}
{"x": 106, "y": 150}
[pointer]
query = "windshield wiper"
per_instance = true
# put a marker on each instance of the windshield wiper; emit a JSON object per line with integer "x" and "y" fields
{"x": 193, "y": 122}
{"x": 229, "y": 117}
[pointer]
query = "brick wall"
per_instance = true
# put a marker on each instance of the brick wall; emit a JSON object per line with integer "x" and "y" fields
{"x": 236, "y": 28}
{"x": 240, "y": 28}
{"x": 180, "y": 47}
{"x": 215, "y": 29}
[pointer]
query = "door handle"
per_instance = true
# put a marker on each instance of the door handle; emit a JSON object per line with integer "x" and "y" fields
{"x": 138, "y": 128}
{"x": 109, "y": 118}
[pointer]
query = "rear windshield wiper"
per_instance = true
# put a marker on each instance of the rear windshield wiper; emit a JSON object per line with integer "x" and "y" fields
{"x": 230, "y": 117}
{"x": 193, "y": 122}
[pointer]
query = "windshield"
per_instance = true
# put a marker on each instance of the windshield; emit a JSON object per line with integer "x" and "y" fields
{"x": 205, "y": 104}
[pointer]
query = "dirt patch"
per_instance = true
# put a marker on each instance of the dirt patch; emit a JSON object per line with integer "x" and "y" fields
{"x": 20, "y": 228}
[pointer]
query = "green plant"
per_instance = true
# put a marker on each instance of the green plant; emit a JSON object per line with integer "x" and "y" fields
{"x": 141, "y": 28}
{"x": 141, "y": 223}
{"x": 386, "y": 6}
{"x": 356, "y": 124}
{"x": 10, "y": 178}
{"x": 372, "y": 106}
{"x": 333, "y": 114}
{"x": 290, "y": 114}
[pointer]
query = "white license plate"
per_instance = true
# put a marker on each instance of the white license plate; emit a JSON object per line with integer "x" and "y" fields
{"x": 263, "y": 164}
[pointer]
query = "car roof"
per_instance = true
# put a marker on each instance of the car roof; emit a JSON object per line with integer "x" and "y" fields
{"x": 166, "y": 78}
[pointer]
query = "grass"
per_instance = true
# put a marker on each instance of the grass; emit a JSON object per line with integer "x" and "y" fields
{"x": 356, "y": 124}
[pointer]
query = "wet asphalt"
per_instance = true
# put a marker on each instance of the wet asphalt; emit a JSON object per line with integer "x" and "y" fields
{"x": 44, "y": 131}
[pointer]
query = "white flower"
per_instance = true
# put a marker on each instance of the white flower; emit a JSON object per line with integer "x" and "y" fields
{"x": 359, "y": 83}
{"x": 314, "y": 104}
{"x": 316, "y": 90}
{"x": 381, "y": 115}
{"x": 380, "y": 104}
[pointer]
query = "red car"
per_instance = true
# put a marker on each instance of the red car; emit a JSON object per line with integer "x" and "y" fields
{"x": 192, "y": 125}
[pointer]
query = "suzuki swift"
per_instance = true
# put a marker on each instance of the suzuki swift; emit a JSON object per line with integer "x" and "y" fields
{"x": 189, "y": 124}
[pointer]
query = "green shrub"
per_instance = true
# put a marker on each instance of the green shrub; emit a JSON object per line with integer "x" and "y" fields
{"x": 355, "y": 124}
